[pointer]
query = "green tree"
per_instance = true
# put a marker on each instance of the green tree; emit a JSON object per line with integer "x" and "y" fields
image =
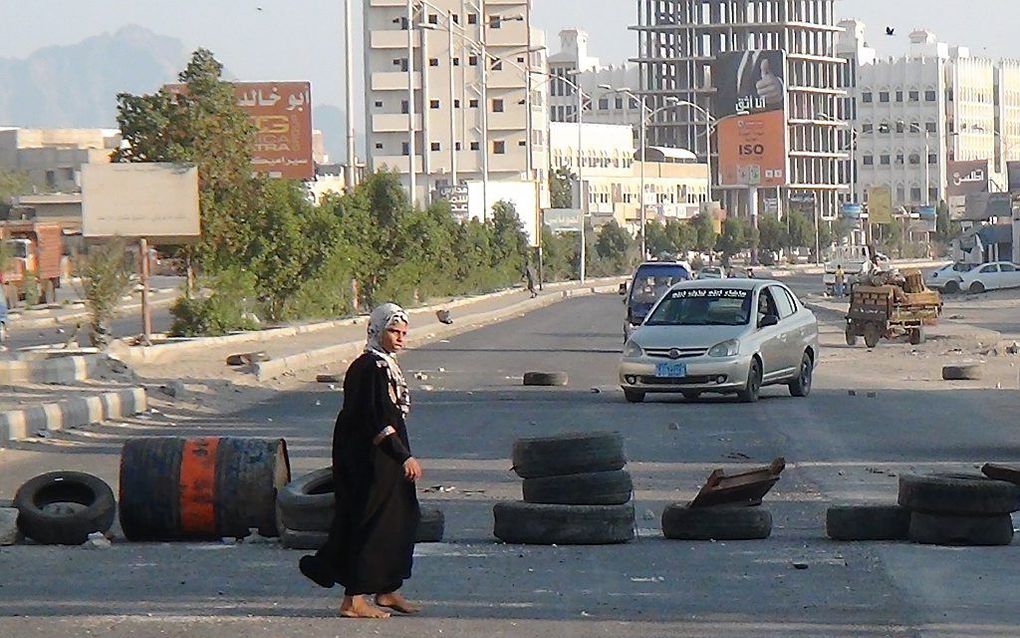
{"x": 735, "y": 237}
{"x": 704, "y": 233}
{"x": 105, "y": 276}
{"x": 772, "y": 234}
{"x": 657, "y": 239}
{"x": 613, "y": 247}
{"x": 12, "y": 184}
{"x": 946, "y": 229}
{"x": 561, "y": 188}
{"x": 682, "y": 235}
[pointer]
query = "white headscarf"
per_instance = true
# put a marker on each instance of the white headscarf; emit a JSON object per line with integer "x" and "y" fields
{"x": 381, "y": 319}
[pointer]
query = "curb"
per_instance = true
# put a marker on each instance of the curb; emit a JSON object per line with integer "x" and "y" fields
{"x": 275, "y": 367}
{"x": 53, "y": 417}
{"x": 63, "y": 370}
{"x": 167, "y": 352}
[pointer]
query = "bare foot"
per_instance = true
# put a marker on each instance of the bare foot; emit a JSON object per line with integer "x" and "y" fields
{"x": 356, "y": 607}
{"x": 394, "y": 600}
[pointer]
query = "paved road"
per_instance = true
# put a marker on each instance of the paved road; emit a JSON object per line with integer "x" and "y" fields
{"x": 123, "y": 326}
{"x": 839, "y": 448}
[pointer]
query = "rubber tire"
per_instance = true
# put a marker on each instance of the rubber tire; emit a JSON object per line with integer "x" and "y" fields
{"x": 721, "y": 523}
{"x": 545, "y": 378}
{"x": 867, "y": 522}
{"x": 569, "y": 453}
{"x": 590, "y": 488}
{"x": 305, "y": 504}
{"x": 935, "y": 529}
{"x": 246, "y": 358}
{"x": 634, "y": 396}
{"x": 800, "y": 387}
{"x": 539, "y": 524}
{"x": 752, "y": 391}
{"x": 294, "y": 539}
{"x": 952, "y": 287}
{"x": 917, "y": 336}
{"x": 964, "y": 372}
{"x": 872, "y": 334}
{"x": 691, "y": 395}
{"x": 976, "y": 288}
{"x": 431, "y": 525}
{"x": 851, "y": 338}
{"x": 73, "y": 528}
{"x": 958, "y": 494}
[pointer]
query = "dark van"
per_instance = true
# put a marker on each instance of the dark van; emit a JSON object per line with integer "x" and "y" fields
{"x": 649, "y": 282}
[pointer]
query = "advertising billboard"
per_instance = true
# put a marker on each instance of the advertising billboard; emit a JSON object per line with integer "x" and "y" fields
{"x": 750, "y": 106}
{"x": 282, "y": 115}
{"x": 154, "y": 201}
{"x": 1013, "y": 176}
{"x": 966, "y": 177}
{"x": 880, "y": 205}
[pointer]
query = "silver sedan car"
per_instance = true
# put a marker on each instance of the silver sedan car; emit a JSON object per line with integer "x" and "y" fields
{"x": 728, "y": 336}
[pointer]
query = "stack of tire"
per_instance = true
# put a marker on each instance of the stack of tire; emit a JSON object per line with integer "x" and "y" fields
{"x": 305, "y": 508}
{"x": 576, "y": 492}
{"x": 936, "y": 509}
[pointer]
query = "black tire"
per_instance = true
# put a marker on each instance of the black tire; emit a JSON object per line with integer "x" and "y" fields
{"x": 722, "y": 523}
{"x": 851, "y": 338}
{"x": 246, "y": 358}
{"x": 867, "y": 522}
{"x": 545, "y": 378}
{"x": 752, "y": 390}
{"x": 633, "y": 396}
{"x": 976, "y": 288}
{"x": 590, "y": 488}
{"x": 936, "y": 529}
{"x": 307, "y": 503}
{"x": 294, "y": 539}
{"x": 958, "y": 495}
{"x": 917, "y": 336}
{"x": 329, "y": 378}
{"x": 64, "y": 525}
{"x": 952, "y": 287}
{"x": 539, "y": 524}
{"x": 691, "y": 395}
{"x": 963, "y": 372}
{"x": 431, "y": 525}
{"x": 801, "y": 386}
{"x": 570, "y": 453}
{"x": 872, "y": 334}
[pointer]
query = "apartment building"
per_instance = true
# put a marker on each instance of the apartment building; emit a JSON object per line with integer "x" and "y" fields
{"x": 574, "y": 64}
{"x": 681, "y": 41}
{"x": 935, "y": 124}
{"x": 479, "y": 113}
{"x": 52, "y": 158}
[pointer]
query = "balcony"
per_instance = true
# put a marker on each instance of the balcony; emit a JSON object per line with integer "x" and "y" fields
{"x": 393, "y": 123}
{"x": 391, "y": 39}
{"x": 515, "y": 120}
{"x": 393, "y": 81}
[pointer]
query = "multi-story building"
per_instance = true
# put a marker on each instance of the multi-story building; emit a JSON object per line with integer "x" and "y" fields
{"x": 52, "y": 158}
{"x": 479, "y": 111}
{"x": 675, "y": 185}
{"x": 679, "y": 43}
{"x": 922, "y": 118}
{"x": 573, "y": 63}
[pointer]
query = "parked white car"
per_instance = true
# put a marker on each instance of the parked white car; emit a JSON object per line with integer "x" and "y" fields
{"x": 948, "y": 277}
{"x": 991, "y": 276}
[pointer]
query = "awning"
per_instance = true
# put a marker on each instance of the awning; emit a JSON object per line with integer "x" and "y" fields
{"x": 666, "y": 154}
{"x": 997, "y": 234}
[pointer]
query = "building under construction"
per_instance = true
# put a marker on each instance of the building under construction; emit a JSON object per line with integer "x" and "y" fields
{"x": 681, "y": 41}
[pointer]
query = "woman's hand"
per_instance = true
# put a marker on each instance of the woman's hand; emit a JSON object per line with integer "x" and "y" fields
{"x": 412, "y": 469}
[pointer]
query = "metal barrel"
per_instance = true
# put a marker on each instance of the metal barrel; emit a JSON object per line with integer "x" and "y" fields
{"x": 200, "y": 488}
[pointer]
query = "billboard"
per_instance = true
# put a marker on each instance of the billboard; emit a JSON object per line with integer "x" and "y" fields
{"x": 966, "y": 177}
{"x": 750, "y": 105}
{"x": 282, "y": 115}
{"x": 880, "y": 205}
{"x": 154, "y": 201}
{"x": 1013, "y": 176}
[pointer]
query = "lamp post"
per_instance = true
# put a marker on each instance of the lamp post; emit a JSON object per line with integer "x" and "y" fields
{"x": 412, "y": 165}
{"x": 708, "y": 139}
{"x": 351, "y": 176}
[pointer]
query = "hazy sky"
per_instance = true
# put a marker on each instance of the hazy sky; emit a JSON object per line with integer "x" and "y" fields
{"x": 301, "y": 39}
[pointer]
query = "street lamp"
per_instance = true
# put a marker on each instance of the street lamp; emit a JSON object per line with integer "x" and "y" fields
{"x": 582, "y": 197}
{"x": 708, "y": 139}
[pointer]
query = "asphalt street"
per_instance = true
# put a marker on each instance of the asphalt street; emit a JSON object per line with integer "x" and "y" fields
{"x": 465, "y": 417}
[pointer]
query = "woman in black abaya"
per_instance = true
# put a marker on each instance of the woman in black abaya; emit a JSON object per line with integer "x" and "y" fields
{"x": 371, "y": 543}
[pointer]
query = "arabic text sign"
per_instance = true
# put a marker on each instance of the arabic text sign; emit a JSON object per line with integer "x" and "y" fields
{"x": 282, "y": 113}
{"x": 155, "y": 201}
{"x": 966, "y": 177}
{"x": 709, "y": 293}
{"x": 752, "y": 150}
{"x": 880, "y": 205}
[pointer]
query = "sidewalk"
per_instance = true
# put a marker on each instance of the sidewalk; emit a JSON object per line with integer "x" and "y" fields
{"x": 53, "y": 315}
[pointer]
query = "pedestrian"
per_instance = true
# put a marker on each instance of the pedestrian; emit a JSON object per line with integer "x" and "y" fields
{"x": 839, "y": 285}
{"x": 371, "y": 542}
{"x": 750, "y": 273}
{"x": 3, "y": 319}
{"x": 530, "y": 277}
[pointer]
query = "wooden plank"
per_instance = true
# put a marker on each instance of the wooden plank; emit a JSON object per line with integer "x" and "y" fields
{"x": 1001, "y": 473}
{"x": 745, "y": 488}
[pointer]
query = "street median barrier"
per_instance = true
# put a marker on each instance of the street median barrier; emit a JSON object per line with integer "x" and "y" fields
{"x": 69, "y": 413}
{"x": 62, "y": 370}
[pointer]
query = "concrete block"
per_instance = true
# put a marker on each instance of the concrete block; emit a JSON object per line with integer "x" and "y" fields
{"x": 8, "y": 526}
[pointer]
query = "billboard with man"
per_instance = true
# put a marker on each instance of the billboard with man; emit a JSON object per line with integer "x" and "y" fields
{"x": 750, "y": 105}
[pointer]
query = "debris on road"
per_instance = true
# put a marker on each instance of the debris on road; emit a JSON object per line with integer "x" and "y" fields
{"x": 716, "y": 523}
{"x": 8, "y": 526}
{"x": 175, "y": 389}
{"x": 545, "y": 378}
{"x": 963, "y": 372}
{"x": 746, "y": 488}
{"x": 329, "y": 378}
{"x": 444, "y": 317}
{"x": 421, "y": 376}
{"x": 247, "y": 358}
{"x": 97, "y": 540}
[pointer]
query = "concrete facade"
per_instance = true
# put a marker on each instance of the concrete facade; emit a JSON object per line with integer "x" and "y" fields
{"x": 52, "y": 158}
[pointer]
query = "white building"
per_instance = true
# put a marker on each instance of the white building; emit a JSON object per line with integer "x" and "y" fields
{"x": 471, "y": 104}
{"x": 915, "y": 115}
{"x": 52, "y": 158}
{"x": 574, "y": 63}
{"x": 675, "y": 185}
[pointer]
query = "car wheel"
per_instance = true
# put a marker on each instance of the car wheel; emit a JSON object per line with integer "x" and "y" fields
{"x": 872, "y": 334}
{"x": 976, "y": 288}
{"x": 917, "y": 336}
{"x": 801, "y": 386}
{"x": 851, "y": 336}
{"x": 633, "y": 396}
{"x": 691, "y": 395}
{"x": 752, "y": 390}
{"x": 952, "y": 287}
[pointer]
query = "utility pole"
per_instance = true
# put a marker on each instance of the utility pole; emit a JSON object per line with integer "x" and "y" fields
{"x": 410, "y": 104}
{"x": 351, "y": 176}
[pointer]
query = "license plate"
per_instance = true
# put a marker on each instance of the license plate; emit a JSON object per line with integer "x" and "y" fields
{"x": 671, "y": 370}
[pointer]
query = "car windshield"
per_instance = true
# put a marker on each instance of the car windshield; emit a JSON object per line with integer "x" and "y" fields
{"x": 651, "y": 282}
{"x": 963, "y": 267}
{"x": 703, "y": 307}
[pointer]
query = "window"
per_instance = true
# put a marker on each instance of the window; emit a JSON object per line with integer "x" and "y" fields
{"x": 931, "y": 127}
{"x": 883, "y": 96}
{"x": 472, "y": 18}
{"x": 793, "y": 300}
{"x": 883, "y": 127}
{"x": 783, "y": 303}
{"x": 867, "y": 128}
{"x": 915, "y": 194}
{"x": 475, "y": 146}
{"x": 866, "y": 97}
{"x": 915, "y": 158}
{"x": 497, "y": 65}
{"x": 433, "y": 61}
{"x": 619, "y": 104}
{"x": 436, "y": 146}
{"x": 869, "y": 160}
{"x": 499, "y": 148}
{"x": 457, "y": 146}
{"x": 930, "y": 96}
{"x": 405, "y": 149}
{"x": 634, "y": 103}
{"x": 933, "y": 158}
{"x": 473, "y": 104}
{"x": 378, "y": 104}
{"x": 914, "y": 96}
{"x": 900, "y": 127}
{"x": 497, "y": 105}
{"x": 456, "y": 18}
{"x": 378, "y": 146}
{"x": 883, "y": 160}
{"x": 522, "y": 143}
{"x": 404, "y": 108}
{"x": 456, "y": 61}
{"x": 899, "y": 159}
{"x": 899, "y": 95}
{"x": 456, "y": 104}
{"x": 495, "y": 22}
{"x": 990, "y": 268}
{"x": 1007, "y": 267}
{"x": 433, "y": 104}
{"x": 473, "y": 60}
{"x": 521, "y": 60}
{"x": 433, "y": 18}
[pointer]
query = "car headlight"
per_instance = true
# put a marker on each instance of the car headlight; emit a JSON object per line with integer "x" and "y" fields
{"x": 725, "y": 349}
{"x": 632, "y": 350}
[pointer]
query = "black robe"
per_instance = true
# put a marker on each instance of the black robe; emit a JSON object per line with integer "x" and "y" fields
{"x": 371, "y": 543}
